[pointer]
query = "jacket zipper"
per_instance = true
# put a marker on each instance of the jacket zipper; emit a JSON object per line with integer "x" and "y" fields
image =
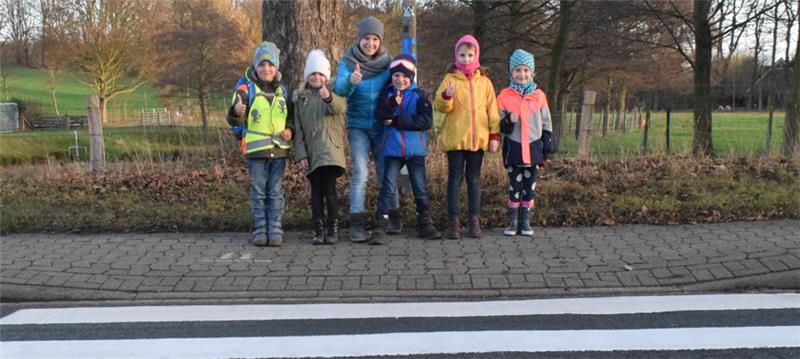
{"x": 472, "y": 112}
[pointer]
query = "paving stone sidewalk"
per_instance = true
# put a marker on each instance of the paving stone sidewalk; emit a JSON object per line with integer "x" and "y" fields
{"x": 630, "y": 258}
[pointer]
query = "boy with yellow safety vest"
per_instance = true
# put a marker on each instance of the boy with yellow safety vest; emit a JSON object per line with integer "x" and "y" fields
{"x": 265, "y": 120}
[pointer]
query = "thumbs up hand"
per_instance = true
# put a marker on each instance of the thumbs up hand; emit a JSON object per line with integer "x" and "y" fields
{"x": 450, "y": 90}
{"x": 324, "y": 93}
{"x": 399, "y": 98}
{"x": 240, "y": 107}
{"x": 355, "y": 77}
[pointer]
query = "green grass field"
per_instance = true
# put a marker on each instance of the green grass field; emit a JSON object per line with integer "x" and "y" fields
{"x": 30, "y": 86}
{"x": 733, "y": 133}
{"x": 141, "y": 144}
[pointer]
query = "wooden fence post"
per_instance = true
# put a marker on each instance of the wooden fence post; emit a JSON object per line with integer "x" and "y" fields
{"x": 645, "y": 149}
{"x": 669, "y": 150}
{"x": 585, "y": 124}
{"x": 97, "y": 149}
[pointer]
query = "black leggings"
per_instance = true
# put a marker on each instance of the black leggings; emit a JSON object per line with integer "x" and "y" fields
{"x": 323, "y": 191}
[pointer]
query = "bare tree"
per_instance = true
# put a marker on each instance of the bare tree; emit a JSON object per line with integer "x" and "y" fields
{"x": 299, "y": 26}
{"x": 19, "y": 19}
{"x": 109, "y": 46}
{"x": 201, "y": 46}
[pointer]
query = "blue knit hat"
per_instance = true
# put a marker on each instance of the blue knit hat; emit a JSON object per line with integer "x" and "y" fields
{"x": 267, "y": 51}
{"x": 520, "y": 57}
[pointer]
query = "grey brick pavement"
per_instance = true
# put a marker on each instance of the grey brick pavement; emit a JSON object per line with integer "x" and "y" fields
{"x": 224, "y": 265}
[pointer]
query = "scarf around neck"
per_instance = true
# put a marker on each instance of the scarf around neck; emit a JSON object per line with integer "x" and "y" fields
{"x": 523, "y": 89}
{"x": 369, "y": 66}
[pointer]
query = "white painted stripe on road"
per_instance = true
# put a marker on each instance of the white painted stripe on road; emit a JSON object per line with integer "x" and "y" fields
{"x": 601, "y": 306}
{"x": 412, "y": 343}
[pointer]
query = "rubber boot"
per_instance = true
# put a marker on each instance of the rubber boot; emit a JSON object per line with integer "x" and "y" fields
{"x": 513, "y": 221}
{"x": 525, "y": 228}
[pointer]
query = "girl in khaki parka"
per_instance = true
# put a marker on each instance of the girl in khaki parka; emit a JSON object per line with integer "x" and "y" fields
{"x": 471, "y": 126}
{"x": 319, "y": 144}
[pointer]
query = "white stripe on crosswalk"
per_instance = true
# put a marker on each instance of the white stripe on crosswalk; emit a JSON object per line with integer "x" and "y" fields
{"x": 412, "y": 343}
{"x": 589, "y": 306}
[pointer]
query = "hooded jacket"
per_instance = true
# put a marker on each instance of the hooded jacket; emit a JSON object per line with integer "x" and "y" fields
{"x": 471, "y": 115}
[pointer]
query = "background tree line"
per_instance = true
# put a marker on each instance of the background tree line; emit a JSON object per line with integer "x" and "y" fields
{"x": 678, "y": 54}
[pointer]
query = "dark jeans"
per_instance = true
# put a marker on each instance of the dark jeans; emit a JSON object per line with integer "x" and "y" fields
{"x": 456, "y": 163}
{"x": 323, "y": 192}
{"x": 419, "y": 184}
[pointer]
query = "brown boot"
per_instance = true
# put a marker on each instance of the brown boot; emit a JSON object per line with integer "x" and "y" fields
{"x": 475, "y": 227}
{"x": 453, "y": 229}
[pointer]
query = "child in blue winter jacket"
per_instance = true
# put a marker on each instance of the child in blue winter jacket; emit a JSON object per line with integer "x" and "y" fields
{"x": 407, "y": 115}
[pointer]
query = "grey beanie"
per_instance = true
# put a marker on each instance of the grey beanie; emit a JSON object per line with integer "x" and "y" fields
{"x": 267, "y": 51}
{"x": 369, "y": 25}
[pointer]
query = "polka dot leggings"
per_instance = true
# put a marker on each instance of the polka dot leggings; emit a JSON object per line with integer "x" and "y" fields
{"x": 522, "y": 185}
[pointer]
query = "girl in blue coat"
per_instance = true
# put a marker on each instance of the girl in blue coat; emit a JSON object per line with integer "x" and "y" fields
{"x": 363, "y": 72}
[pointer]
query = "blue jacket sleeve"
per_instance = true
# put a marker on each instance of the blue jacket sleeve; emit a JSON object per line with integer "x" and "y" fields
{"x": 420, "y": 121}
{"x": 547, "y": 144}
{"x": 342, "y": 85}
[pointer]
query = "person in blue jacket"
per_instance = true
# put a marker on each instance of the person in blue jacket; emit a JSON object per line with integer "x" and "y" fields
{"x": 406, "y": 114}
{"x": 363, "y": 72}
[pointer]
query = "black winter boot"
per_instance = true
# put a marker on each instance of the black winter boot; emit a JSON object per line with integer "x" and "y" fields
{"x": 332, "y": 233}
{"x": 395, "y": 224}
{"x": 357, "y": 232}
{"x": 379, "y": 232}
{"x": 319, "y": 232}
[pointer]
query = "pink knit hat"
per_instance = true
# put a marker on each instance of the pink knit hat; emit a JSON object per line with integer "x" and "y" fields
{"x": 468, "y": 69}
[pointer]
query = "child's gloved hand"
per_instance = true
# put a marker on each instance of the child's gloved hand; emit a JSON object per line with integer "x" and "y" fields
{"x": 494, "y": 145}
{"x": 302, "y": 164}
{"x": 239, "y": 108}
{"x": 355, "y": 77}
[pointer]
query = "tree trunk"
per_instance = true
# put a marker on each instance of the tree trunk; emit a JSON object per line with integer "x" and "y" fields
{"x": 791, "y": 135}
{"x": 103, "y": 103}
{"x": 701, "y": 144}
{"x": 770, "y": 84}
{"x": 299, "y": 26}
{"x": 554, "y": 95}
{"x": 52, "y": 84}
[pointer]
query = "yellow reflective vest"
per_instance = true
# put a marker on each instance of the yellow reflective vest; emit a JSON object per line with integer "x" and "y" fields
{"x": 266, "y": 121}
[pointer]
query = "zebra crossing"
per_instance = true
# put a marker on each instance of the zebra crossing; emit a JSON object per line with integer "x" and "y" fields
{"x": 670, "y": 323}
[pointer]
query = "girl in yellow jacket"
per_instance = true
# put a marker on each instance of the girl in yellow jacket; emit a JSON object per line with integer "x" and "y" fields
{"x": 471, "y": 126}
